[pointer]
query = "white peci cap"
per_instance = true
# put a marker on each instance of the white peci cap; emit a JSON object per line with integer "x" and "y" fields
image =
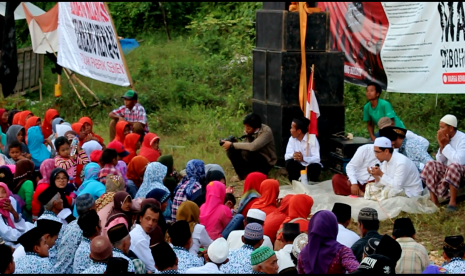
{"x": 383, "y": 142}
{"x": 450, "y": 120}
{"x": 256, "y": 214}
{"x": 218, "y": 251}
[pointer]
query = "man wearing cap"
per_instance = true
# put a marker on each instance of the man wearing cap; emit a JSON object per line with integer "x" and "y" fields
{"x": 235, "y": 237}
{"x": 376, "y": 264}
{"x": 90, "y": 224}
{"x": 132, "y": 112}
{"x": 36, "y": 260}
{"x": 181, "y": 239}
{"x": 389, "y": 247}
{"x": 239, "y": 259}
{"x": 120, "y": 150}
{"x": 444, "y": 176}
{"x": 413, "y": 148}
{"x": 121, "y": 241}
{"x": 217, "y": 255}
{"x": 454, "y": 253}
{"x": 414, "y": 258}
{"x": 100, "y": 253}
{"x": 370, "y": 247}
{"x": 297, "y": 156}
{"x": 264, "y": 261}
{"x": 285, "y": 263}
{"x": 368, "y": 225}
{"x": 386, "y": 122}
{"x": 397, "y": 176}
{"x": 72, "y": 235}
{"x": 343, "y": 214}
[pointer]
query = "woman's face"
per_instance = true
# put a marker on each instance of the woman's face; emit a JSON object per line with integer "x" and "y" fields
{"x": 87, "y": 128}
{"x": 82, "y": 133}
{"x": 29, "y": 116}
{"x": 3, "y": 193}
{"x": 155, "y": 144}
{"x": 61, "y": 180}
{"x": 126, "y": 130}
{"x": 20, "y": 136}
{"x": 164, "y": 205}
{"x": 39, "y": 122}
{"x": 5, "y": 117}
{"x": 126, "y": 207}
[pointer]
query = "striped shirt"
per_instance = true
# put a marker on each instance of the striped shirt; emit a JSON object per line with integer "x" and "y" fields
{"x": 135, "y": 115}
{"x": 69, "y": 164}
{"x": 414, "y": 258}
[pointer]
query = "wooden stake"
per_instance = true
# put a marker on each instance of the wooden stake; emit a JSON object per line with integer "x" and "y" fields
{"x": 164, "y": 20}
{"x": 82, "y": 83}
{"x": 74, "y": 87}
{"x": 119, "y": 47}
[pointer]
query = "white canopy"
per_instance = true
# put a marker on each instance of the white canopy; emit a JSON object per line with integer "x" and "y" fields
{"x": 19, "y": 12}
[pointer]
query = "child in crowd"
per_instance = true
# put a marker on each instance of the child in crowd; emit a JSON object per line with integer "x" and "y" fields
{"x": 122, "y": 129}
{"x": 230, "y": 201}
{"x": 132, "y": 144}
{"x": 108, "y": 161}
{"x": 15, "y": 152}
{"x": 65, "y": 161}
{"x": 150, "y": 147}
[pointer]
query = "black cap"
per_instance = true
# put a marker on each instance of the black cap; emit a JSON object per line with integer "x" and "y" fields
{"x": 403, "y": 227}
{"x": 376, "y": 264}
{"x": 117, "y": 232}
{"x": 291, "y": 228}
{"x": 49, "y": 226}
{"x": 342, "y": 211}
{"x": 47, "y": 195}
{"x": 454, "y": 243}
{"x": 392, "y": 132}
{"x": 370, "y": 247}
{"x": 390, "y": 248}
{"x": 88, "y": 221}
{"x": 30, "y": 237}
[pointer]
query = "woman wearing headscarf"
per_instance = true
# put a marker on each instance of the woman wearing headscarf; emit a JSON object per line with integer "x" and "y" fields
{"x": 50, "y": 115}
{"x": 132, "y": 145}
{"x": 136, "y": 171}
{"x": 250, "y": 192}
{"x": 121, "y": 212}
{"x": 162, "y": 197}
{"x": 36, "y": 146}
{"x": 269, "y": 195}
{"x": 153, "y": 179}
{"x": 90, "y": 146}
{"x": 15, "y": 133}
{"x": 79, "y": 129}
{"x": 214, "y": 215}
{"x": 122, "y": 129}
{"x": 123, "y": 169}
{"x": 274, "y": 220}
{"x": 11, "y": 115}
{"x": 190, "y": 212}
{"x": 32, "y": 121}
{"x": 46, "y": 169}
{"x": 147, "y": 149}
{"x": 91, "y": 185}
{"x": 211, "y": 175}
{"x": 323, "y": 254}
{"x": 113, "y": 184}
{"x": 170, "y": 181}
{"x": 59, "y": 179}
{"x": 3, "y": 120}
{"x": 6, "y": 176}
{"x": 89, "y": 129}
{"x": 26, "y": 114}
{"x": 55, "y": 122}
{"x": 23, "y": 185}
{"x": 191, "y": 183}
{"x": 16, "y": 118}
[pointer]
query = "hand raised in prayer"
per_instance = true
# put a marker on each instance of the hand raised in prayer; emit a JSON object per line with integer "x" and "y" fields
{"x": 88, "y": 137}
{"x": 443, "y": 139}
{"x": 298, "y": 157}
{"x": 226, "y": 144}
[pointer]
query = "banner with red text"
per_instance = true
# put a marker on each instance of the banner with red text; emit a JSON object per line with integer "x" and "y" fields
{"x": 88, "y": 44}
{"x": 408, "y": 47}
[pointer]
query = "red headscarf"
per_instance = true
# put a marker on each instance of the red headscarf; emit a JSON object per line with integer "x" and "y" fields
{"x": 32, "y": 121}
{"x": 130, "y": 145}
{"x": 50, "y": 114}
{"x": 16, "y": 118}
{"x": 299, "y": 207}
{"x": 267, "y": 201}
{"x": 253, "y": 182}
{"x": 76, "y": 127}
{"x": 22, "y": 117}
{"x": 136, "y": 169}
{"x": 3, "y": 125}
{"x": 275, "y": 219}
{"x": 146, "y": 150}
{"x": 89, "y": 121}
{"x": 120, "y": 130}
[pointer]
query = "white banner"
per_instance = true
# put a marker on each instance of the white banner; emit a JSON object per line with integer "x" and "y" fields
{"x": 88, "y": 44}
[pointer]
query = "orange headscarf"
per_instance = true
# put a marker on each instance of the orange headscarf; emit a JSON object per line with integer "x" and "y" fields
{"x": 253, "y": 182}
{"x": 89, "y": 121}
{"x": 146, "y": 150}
{"x": 136, "y": 169}
{"x": 275, "y": 219}
{"x": 32, "y": 121}
{"x": 269, "y": 193}
{"x": 16, "y": 118}
{"x": 299, "y": 207}
{"x": 119, "y": 131}
{"x": 130, "y": 145}
{"x": 50, "y": 114}
{"x": 22, "y": 117}
{"x": 76, "y": 127}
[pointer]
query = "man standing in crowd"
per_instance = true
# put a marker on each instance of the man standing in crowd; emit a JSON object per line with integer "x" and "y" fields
{"x": 257, "y": 153}
{"x": 343, "y": 214}
{"x": 264, "y": 261}
{"x": 368, "y": 225}
{"x": 297, "y": 156}
{"x": 444, "y": 176}
{"x": 132, "y": 112}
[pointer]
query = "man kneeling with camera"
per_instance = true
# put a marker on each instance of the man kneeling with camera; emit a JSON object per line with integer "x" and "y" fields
{"x": 256, "y": 153}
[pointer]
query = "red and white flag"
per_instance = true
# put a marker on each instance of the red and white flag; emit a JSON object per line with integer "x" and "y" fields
{"x": 43, "y": 29}
{"x": 312, "y": 111}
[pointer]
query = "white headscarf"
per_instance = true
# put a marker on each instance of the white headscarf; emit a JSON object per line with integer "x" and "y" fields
{"x": 62, "y": 129}
{"x": 90, "y": 146}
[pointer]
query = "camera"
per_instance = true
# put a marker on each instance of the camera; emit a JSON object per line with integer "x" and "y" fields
{"x": 230, "y": 138}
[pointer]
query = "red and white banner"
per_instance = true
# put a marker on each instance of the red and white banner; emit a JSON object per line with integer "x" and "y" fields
{"x": 88, "y": 44}
{"x": 312, "y": 111}
{"x": 43, "y": 29}
{"x": 409, "y": 47}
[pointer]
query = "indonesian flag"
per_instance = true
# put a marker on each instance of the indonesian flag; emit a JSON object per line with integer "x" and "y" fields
{"x": 312, "y": 111}
{"x": 43, "y": 29}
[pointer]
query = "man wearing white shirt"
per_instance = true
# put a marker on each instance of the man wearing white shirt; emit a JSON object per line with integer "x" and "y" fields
{"x": 285, "y": 263}
{"x": 217, "y": 255}
{"x": 445, "y": 175}
{"x": 297, "y": 157}
{"x": 398, "y": 175}
{"x": 356, "y": 170}
{"x": 343, "y": 214}
{"x": 235, "y": 237}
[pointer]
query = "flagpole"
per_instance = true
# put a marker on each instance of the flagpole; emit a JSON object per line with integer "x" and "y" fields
{"x": 309, "y": 115}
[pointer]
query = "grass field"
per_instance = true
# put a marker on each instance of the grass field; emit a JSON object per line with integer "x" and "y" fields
{"x": 193, "y": 100}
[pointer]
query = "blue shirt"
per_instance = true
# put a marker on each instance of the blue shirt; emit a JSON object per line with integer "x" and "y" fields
{"x": 33, "y": 264}
{"x": 69, "y": 244}
{"x": 239, "y": 261}
{"x": 186, "y": 260}
{"x": 95, "y": 268}
{"x": 82, "y": 259}
{"x": 119, "y": 254}
{"x": 455, "y": 266}
{"x": 415, "y": 150}
{"x": 53, "y": 252}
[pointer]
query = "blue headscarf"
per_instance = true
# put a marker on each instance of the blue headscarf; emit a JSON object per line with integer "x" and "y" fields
{"x": 159, "y": 194}
{"x": 91, "y": 171}
{"x": 153, "y": 179}
{"x": 195, "y": 173}
{"x": 35, "y": 143}
{"x": 56, "y": 122}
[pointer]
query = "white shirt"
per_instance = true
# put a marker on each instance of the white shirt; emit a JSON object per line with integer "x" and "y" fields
{"x": 235, "y": 240}
{"x": 284, "y": 258}
{"x": 363, "y": 158}
{"x": 346, "y": 237}
{"x": 19, "y": 252}
{"x": 454, "y": 152}
{"x": 208, "y": 268}
{"x": 140, "y": 245}
{"x": 200, "y": 237}
{"x": 400, "y": 173}
{"x": 294, "y": 145}
{"x": 9, "y": 234}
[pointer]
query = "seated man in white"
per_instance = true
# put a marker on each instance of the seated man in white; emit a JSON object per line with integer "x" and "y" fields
{"x": 357, "y": 175}
{"x": 235, "y": 237}
{"x": 285, "y": 262}
{"x": 297, "y": 156}
{"x": 398, "y": 175}
{"x": 343, "y": 214}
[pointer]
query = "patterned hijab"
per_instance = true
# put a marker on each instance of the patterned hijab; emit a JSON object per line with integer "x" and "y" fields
{"x": 153, "y": 179}
{"x": 24, "y": 171}
{"x": 46, "y": 169}
{"x": 91, "y": 171}
{"x": 195, "y": 173}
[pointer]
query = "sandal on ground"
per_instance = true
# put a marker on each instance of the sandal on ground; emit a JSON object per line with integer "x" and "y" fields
{"x": 451, "y": 208}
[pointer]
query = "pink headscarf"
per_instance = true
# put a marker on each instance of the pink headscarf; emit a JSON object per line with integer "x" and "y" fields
{"x": 4, "y": 212}
{"x": 46, "y": 169}
{"x": 214, "y": 215}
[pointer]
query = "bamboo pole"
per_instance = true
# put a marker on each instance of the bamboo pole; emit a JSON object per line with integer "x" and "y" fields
{"x": 306, "y": 100}
{"x": 82, "y": 84}
{"x": 119, "y": 47}
{"x": 164, "y": 20}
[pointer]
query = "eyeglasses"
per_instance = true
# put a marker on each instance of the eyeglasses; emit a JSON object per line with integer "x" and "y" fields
{"x": 61, "y": 178}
